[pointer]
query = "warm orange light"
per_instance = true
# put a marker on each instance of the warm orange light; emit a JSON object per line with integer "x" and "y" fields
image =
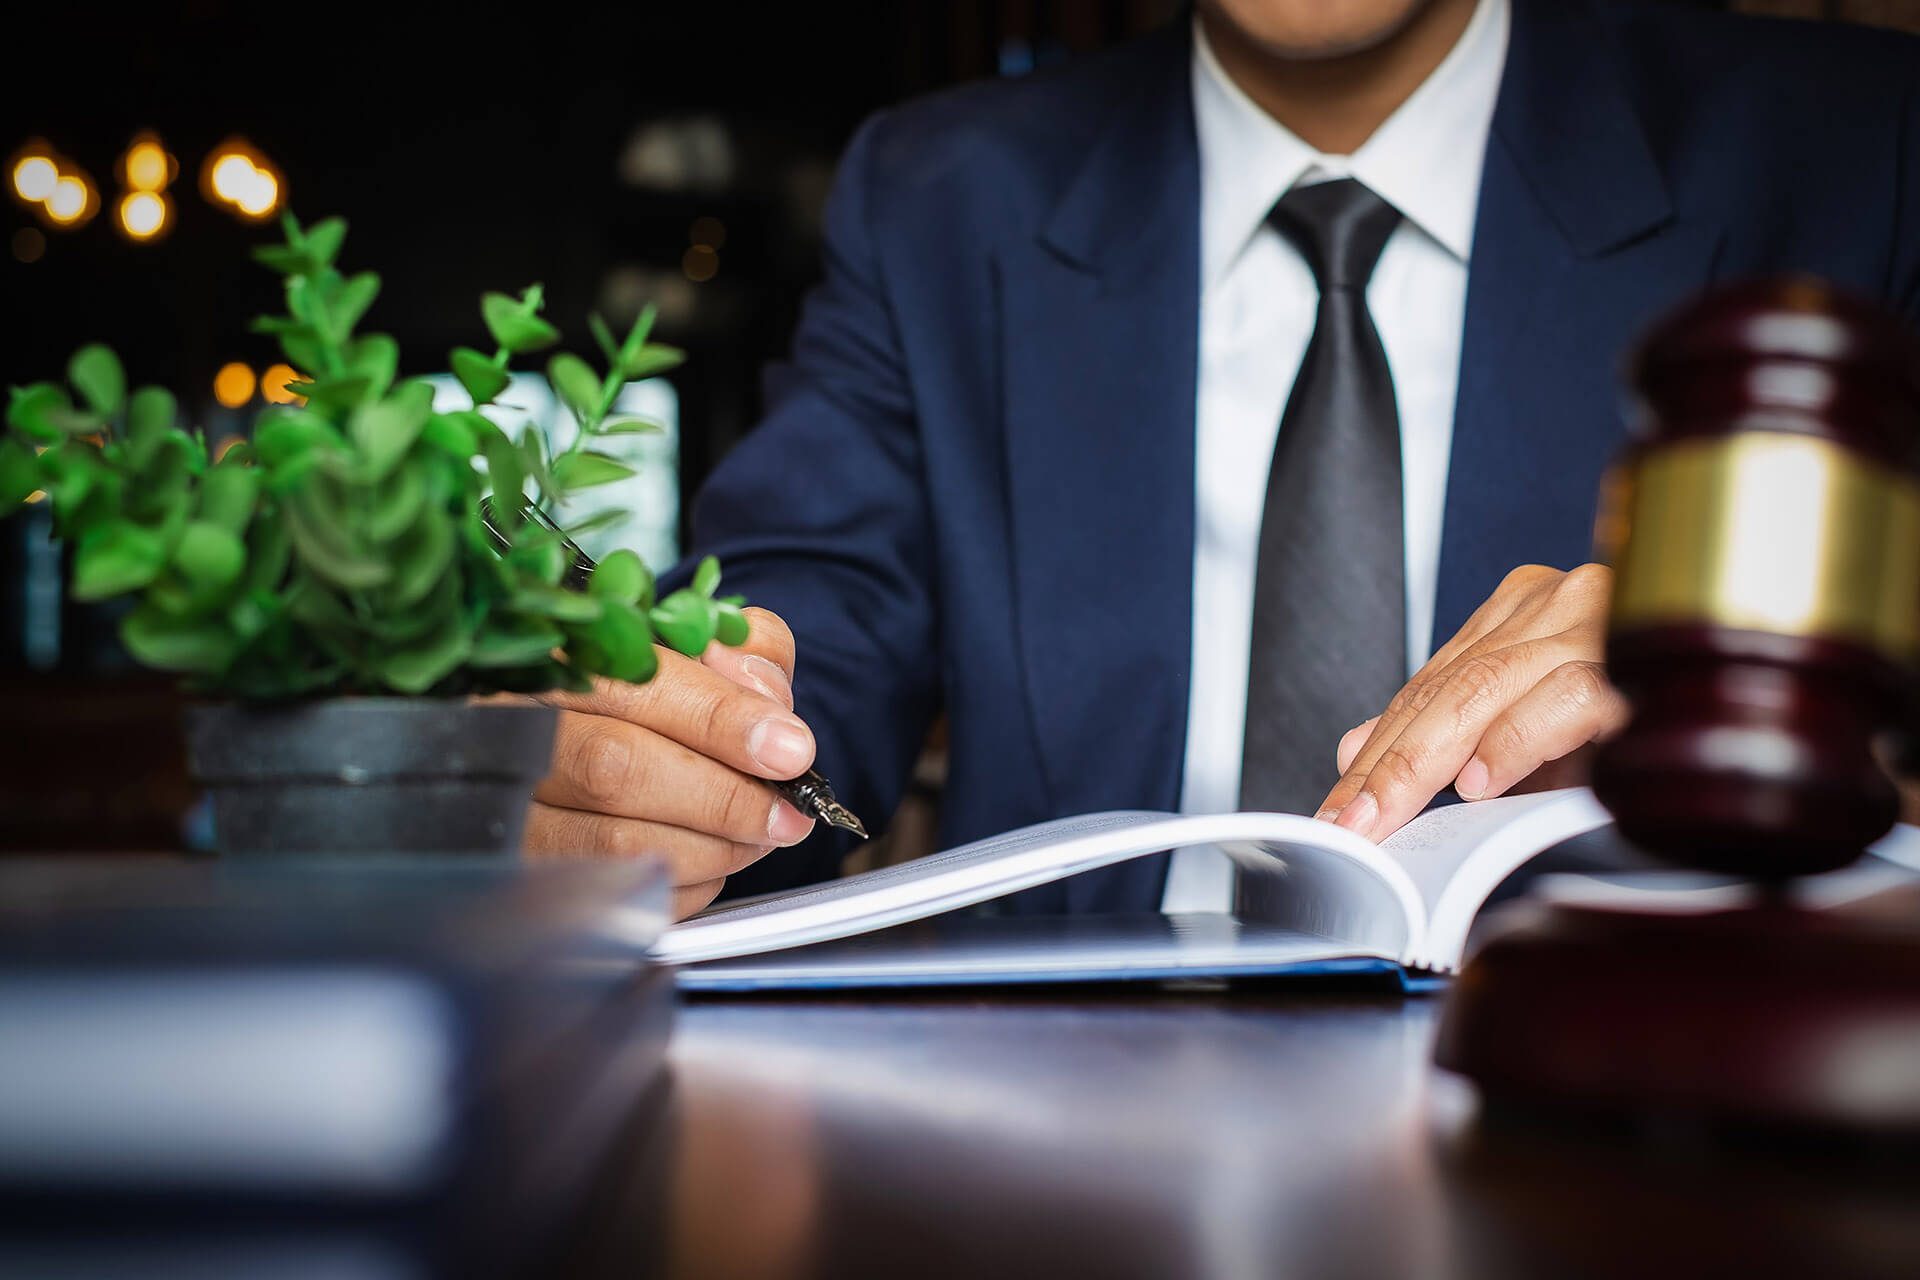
{"x": 239, "y": 176}
{"x": 147, "y": 166}
{"x": 700, "y": 263}
{"x": 226, "y": 446}
{"x": 38, "y": 495}
{"x": 145, "y": 214}
{"x": 71, "y": 202}
{"x": 34, "y": 176}
{"x": 275, "y": 385}
{"x": 233, "y": 385}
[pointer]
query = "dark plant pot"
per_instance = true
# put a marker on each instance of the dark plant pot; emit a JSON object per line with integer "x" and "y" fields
{"x": 370, "y": 775}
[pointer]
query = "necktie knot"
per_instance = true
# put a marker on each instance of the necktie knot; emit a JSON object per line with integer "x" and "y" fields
{"x": 1339, "y": 227}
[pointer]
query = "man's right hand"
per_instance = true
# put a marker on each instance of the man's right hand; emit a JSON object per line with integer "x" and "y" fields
{"x": 673, "y": 767}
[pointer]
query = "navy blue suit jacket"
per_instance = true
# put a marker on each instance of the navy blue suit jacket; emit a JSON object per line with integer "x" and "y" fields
{"x": 974, "y": 487}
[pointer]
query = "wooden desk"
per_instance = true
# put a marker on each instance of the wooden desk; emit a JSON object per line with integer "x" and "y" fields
{"x": 1184, "y": 1136}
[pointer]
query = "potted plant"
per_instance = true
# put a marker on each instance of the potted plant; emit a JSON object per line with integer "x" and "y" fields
{"x": 327, "y": 587}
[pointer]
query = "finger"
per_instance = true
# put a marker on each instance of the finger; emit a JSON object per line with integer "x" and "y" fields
{"x": 608, "y": 766}
{"x": 693, "y": 898}
{"x": 1572, "y": 706}
{"x": 706, "y": 712}
{"x": 764, "y": 662}
{"x": 1392, "y": 779}
{"x": 1351, "y": 741}
{"x": 1510, "y": 606}
{"x": 691, "y": 857}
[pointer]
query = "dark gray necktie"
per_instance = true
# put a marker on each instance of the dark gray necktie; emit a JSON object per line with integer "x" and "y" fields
{"x": 1329, "y": 596}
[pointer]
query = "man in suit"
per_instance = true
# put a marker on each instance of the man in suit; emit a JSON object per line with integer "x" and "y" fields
{"x": 1161, "y": 416}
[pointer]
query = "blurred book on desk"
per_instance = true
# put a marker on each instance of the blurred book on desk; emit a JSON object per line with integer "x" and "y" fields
{"x": 412, "y": 1039}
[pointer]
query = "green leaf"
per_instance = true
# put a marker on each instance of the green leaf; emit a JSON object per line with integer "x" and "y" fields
{"x": 19, "y": 473}
{"x": 555, "y": 602}
{"x": 324, "y": 239}
{"x": 96, "y": 374}
{"x": 652, "y": 360}
{"x": 336, "y": 395}
{"x": 622, "y": 576}
{"x": 619, "y": 644}
{"x": 731, "y": 627}
{"x": 198, "y": 646}
{"x": 281, "y": 259}
{"x": 477, "y": 374}
{"x": 325, "y": 549}
{"x": 506, "y": 471}
{"x": 151, "y": 411}
{"x": 417, "y": 667}
{"x": 118, "y": 557}
{"x": 375, "y": 357}
{"x": 384, "y": 430}
{"x": 269, "y": 552}
{"x": 604, "y": 337}
{"x": 686, "y": 621}
{"x": 208, "y": 555}
{"x": 514, "y": 326}
{"x": 629, "y": 427}
{"x": 29, "y": 410}
{"x": 282, "y": 435}
{"x": 397, "y": 501}
{"x": 513, "y": 641}
{"x": 707, "y": 576}
{"x": 350, "y": 303}
{"x": 598, "y": 520}
{"x": 573, "y": 471}
{"x": 577, "y": 386}
{"x": 456, "y": 433}
{"x": 421, "y": 558}
{"x": 228, "y": 493}
{"x": 533, "y": 454}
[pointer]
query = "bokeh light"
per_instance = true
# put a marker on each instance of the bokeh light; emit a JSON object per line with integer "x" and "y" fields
{"x": 700, "y": 263}
{"x": 274, "y": 385}
{"x": 145, "y": 214}
{"x": 71, "y": 201}
{"x": 34, "y": 177}
{"x": 709, "y": 231}
{"x": 239, "y": 177}
{"x": 146, "y": 165}
{"x": 233, "y": 384}
{"x": 29, "y": 245}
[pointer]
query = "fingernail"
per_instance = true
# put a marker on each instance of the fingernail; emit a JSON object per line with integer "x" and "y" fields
{"x": 768, "y": 678}
{"x": 787, "y": 825}
{"x": 1472, "y": 782}
{"x": 780, "y": 745}
{"x": 1360, "y": 814}
{"x": 1326, "y": 815}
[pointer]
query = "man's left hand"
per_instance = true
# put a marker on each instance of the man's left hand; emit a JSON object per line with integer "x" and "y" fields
{"x": 1519, "y": 686}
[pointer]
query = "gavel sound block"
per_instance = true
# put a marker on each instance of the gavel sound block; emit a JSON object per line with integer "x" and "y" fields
{"x": 1764, "y": 527}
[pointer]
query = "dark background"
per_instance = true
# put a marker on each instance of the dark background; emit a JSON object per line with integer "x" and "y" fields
{"x": 471, "y": 148}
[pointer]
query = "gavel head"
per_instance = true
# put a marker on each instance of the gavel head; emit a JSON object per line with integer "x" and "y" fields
{"x": 1764, "y": 528}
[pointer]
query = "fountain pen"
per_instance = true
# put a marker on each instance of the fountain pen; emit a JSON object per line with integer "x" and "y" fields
{"x": 810, "y": 793}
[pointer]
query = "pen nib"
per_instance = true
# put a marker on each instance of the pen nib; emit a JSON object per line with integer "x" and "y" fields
{"x": 838, "y": 815}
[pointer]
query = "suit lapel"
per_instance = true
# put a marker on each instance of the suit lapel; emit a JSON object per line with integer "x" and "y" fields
{"x": 1576, "y": 247}
{"x": 1099, "y": 358}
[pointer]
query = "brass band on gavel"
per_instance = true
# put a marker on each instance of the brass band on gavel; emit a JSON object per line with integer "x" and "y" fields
{"x": 1764, "y": 528}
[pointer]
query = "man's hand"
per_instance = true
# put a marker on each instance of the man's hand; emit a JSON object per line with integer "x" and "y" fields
{"x": 672, "y": 767}
{"x": 1519, "y": 686}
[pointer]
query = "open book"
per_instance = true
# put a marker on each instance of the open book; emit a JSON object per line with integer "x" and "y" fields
{"x": 1312, "y": 897}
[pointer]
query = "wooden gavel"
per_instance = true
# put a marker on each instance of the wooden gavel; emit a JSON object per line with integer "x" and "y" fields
{"x": 1764, "y": 527}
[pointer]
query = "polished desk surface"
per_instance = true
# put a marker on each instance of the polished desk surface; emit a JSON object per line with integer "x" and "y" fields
{"x": 1298, "y": 1133}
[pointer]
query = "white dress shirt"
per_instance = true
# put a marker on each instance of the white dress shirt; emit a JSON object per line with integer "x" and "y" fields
{"x": 1257, "y": 306}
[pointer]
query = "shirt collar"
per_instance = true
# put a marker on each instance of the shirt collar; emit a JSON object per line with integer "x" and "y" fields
{"x": 1425, "y": 160}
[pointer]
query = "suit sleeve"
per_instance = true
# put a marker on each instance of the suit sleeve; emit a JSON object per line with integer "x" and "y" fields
{"x": 819, "y": 514}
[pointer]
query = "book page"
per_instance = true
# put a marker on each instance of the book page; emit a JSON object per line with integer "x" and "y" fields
{"x": 1341, "y": 885}
{"x": 1457, "y": 856}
